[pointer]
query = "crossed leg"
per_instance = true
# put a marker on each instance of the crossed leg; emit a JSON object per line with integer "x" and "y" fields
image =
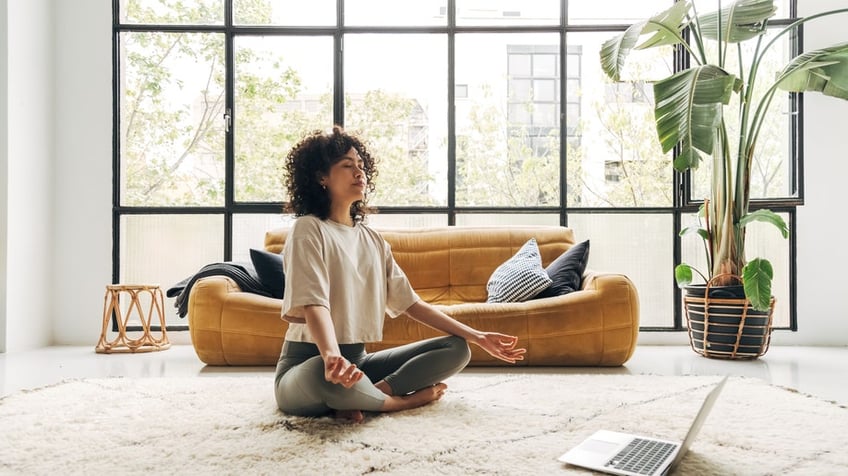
{"x": 406, "y": 377}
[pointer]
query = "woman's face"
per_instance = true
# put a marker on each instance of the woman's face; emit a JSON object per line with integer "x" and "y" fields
{"x": 346, "y": 181}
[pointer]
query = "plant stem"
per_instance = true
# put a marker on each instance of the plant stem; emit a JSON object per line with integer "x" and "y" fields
{"x": 696, "y": 34}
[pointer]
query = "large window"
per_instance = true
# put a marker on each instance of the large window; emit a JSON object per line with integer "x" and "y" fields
{"x": 480, "y": 112}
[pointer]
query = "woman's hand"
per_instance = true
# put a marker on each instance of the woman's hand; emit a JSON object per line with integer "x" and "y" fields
{"x": 338, "y": 370}
{"x": 501, "y": 346}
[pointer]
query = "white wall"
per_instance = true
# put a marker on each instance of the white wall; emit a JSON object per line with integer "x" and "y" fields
{"x": 822, "y": 251}
{"x": 82, "y": 247}
{"x": 59, "y": 222}
{"x": 29, "y": 191}
{"x": 4, "y": 164}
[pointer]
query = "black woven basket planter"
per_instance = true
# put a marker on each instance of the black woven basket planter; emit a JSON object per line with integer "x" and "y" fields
{"x": 723, "y": 325}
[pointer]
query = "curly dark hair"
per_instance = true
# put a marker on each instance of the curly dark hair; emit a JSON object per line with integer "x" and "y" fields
{"x": 310, "y": 159}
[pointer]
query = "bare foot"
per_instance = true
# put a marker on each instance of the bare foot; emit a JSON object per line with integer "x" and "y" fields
{"x": 353, "y": 416}
{"x": 415, "y": 399}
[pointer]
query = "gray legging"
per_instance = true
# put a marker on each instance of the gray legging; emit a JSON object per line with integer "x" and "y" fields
{"x": 300, "y": 387}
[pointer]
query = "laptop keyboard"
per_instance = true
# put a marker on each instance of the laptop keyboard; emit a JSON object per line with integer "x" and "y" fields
{"x": 641, "y": 456}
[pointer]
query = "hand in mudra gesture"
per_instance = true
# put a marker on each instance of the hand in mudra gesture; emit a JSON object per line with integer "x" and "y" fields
{"x": 339, "y": 370}
{"x": 501, "y": 346}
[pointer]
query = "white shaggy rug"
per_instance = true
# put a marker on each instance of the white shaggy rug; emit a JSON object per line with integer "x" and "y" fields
{"x": 510, "y": 424}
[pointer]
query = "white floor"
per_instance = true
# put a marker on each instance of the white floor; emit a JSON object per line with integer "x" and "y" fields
{"x": 810, "y": 370}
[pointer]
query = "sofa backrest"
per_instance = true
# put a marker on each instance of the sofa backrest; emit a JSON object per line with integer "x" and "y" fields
{"x": 452, "y": 264}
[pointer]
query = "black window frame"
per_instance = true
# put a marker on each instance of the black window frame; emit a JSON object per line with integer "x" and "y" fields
{"x": 681, "y": 206}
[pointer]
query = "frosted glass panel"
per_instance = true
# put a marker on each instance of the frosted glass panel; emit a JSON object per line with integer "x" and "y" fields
{"x": 423, "y": 220}
{"x": 165, "y": 249}
{"x": 506, "y": 219}
{"x": 640, "y": 247}
{"x": 249, "y": 232}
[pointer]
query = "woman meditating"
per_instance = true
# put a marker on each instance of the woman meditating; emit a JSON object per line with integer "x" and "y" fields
{"x": 341, "y": 281}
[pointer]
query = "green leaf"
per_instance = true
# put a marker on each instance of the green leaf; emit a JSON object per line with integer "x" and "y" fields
{"x": 683, "y": 275}
{"x": 694, "y": 229}
{"x": 742, "y": 20}
{"x": 615, "y": 50}
{"x": 689, "y": 110}
{"x": 666, "y": 27}
{"x": 756, "y": 278}
{"x": 767, "y": 216}
{"x": 824, "y": 71}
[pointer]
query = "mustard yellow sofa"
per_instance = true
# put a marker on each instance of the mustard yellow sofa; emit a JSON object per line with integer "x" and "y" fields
{"x": 449, "y": 267}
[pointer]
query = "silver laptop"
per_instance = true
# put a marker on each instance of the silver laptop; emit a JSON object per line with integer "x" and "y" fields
{"x": 622, "y": 453}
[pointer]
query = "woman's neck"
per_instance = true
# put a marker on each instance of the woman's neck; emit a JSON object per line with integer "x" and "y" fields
{"x": 341, "y": 215}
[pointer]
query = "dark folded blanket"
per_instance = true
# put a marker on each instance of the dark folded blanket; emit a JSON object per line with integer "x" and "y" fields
{"x": 243, "y": 274}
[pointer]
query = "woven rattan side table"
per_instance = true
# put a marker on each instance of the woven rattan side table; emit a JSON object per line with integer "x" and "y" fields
{"x": 137, "y": 293}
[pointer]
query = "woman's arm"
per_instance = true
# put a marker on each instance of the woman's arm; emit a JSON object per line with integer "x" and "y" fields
{"x": 337, "y": 369}
{"x": 500, "y": 346}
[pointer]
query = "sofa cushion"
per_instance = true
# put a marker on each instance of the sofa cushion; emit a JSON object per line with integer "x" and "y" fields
{"x": 269, "y": 269}
{"x": 520, "y": 277}
{"x": 566, "y": 271}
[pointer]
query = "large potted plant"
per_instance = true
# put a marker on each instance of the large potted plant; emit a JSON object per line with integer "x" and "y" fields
{"x": 690, "y": 113}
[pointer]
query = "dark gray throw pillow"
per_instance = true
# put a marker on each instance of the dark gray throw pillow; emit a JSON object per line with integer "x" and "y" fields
{"x": 567, "y": 271}
{"x": 269, "y": 268}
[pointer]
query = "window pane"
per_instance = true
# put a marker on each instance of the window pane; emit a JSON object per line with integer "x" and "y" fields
{"x": 545, "y": 65}
{"x": 249, "y": 232}
{"x": 395, "y": 13}
{"x": 763, "y": 241}
{"x": 706, "y": 6}
{"x": 165, "y": 249}
{"x": 616, "y": 125}
{"x": 519, "y": 90}
{"x": 507, "y": 12}
{"x": 771, "y": 173}
{"x": 172, "y": 127}
{"x": 499, "y": 130}
{"x": 614, "y": 12}
{"x": 627, "y": 12}
{"x": 311, "y": 13}
{"x": 544, "y": 90}
{"x": 638, "y": 246}
{"x": 283, "y": 89}
{"x": 521, "y": 64}
{"x": 166, "y": 12}
{"x": 506, "y": 219}
{"x": 398, "y": 103}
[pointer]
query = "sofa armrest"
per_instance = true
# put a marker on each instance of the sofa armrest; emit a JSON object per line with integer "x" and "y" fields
{"x": 619, "y": 300}
{"x": 231, "y": 327}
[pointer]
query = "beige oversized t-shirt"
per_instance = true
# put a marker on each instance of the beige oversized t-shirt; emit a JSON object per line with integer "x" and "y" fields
{"x": 348, "y": 270}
